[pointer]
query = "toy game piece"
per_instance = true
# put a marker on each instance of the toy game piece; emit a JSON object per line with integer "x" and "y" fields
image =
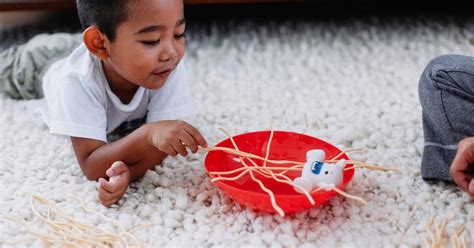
{"x": 317, "y": 174}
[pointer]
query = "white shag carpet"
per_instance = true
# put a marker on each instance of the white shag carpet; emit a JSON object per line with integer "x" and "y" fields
{"x": 352, "y": 83}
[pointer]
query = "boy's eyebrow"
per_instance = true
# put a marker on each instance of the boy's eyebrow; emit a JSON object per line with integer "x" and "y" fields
{"x": 151, "y": 28}
{"x": 181, "y": 22}
{"x": 154, "y": 28}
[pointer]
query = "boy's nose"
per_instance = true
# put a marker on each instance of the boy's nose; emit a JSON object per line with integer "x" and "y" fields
{"x": 168, "y": 53}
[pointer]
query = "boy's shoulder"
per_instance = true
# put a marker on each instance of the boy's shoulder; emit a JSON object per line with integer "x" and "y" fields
{"x": 79, "y": 66}
{"x": 80, "y": 63}
{"x": 80, "y": 70}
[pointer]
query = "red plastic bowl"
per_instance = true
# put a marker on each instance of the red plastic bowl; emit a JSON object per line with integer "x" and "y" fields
{"x": 285, "y": 146}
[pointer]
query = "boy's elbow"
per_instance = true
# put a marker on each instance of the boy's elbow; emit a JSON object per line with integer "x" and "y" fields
{"x": 91, "y": 176}
{"x": 89, "y": 173}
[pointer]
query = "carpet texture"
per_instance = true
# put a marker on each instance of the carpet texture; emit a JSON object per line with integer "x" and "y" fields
{"x": 350, "y": 82}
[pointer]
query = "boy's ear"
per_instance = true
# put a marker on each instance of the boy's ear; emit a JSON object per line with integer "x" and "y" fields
{"x": 95, "y": 42}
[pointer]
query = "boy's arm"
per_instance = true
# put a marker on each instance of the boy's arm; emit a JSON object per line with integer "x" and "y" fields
{"x": 142, "y": 149}
{"x": 135, "y": 150}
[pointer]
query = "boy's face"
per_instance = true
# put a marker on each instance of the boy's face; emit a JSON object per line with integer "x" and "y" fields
{"x": 148, "y": 46}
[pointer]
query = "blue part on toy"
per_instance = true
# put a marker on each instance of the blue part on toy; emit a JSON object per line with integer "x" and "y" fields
{"x": 316, "y": 167}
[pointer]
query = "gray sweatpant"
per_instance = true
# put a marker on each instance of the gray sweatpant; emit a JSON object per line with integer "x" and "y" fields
{"x": 22, "y": 67}
{"x": 446, "y": 91}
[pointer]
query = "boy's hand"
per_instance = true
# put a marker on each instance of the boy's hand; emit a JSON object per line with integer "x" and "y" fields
{"x": 463, "y": 166}
{"x": 111, "y": 191}
{"x": 172, "y": 137}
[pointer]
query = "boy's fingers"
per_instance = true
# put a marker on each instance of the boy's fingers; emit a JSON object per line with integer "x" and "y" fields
{"x": 101, "y": 180}
{"x": 107, "y": 186}
{"x": 471, "y": 188}
{"x": 456, "y": 171}
{"x": 169, "y": 150}
{"x": 103, "y": 202}
{"x": 106, "y": 196}
{"x": 107, "y": 202}
{"x": 463, "y": 159}
{"x": 196, "y": 135}
{"x": 107, "y": 205}
{"x": 116, "y": 169}
{"x": 172, "y": 152}
{"x": 101, "y": 184}
{"x": 166, "y": 149}
{"x": 188, "y": 140}
{"x": 103, "y": 194}
{"x": 178, "y": 147}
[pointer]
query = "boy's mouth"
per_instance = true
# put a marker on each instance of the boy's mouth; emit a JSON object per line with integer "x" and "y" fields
{"x": 163, "y": 73}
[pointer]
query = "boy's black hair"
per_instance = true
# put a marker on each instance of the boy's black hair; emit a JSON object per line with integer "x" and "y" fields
{"x": 105, "y": 14}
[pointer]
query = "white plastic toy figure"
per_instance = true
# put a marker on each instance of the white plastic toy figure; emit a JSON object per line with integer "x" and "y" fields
{"x": 316, "y": 173}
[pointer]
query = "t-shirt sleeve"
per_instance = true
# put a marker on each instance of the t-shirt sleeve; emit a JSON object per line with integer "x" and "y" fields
{"x": 173, "y": 100}
{"x": 76, "y": 111}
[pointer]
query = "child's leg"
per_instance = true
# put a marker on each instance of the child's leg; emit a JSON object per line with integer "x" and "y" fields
{"x": 22, "y": 67}
{"x": 446, "y": 91}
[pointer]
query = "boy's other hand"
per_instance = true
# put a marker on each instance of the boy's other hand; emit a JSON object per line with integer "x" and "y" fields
{"x": 172, "y": 137}
{"x": 462, "y": 167}
{"x": 111, "y": 191}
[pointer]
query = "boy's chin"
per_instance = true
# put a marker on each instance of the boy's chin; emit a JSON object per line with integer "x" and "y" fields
{"x": 155, "y": 85}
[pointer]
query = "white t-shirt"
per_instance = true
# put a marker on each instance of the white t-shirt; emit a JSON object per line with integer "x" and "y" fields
{"x": 80, "y": 103}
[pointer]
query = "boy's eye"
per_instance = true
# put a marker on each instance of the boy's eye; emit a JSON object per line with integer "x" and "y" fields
{"x": 151, "y": 42}
{"x": 180, "y": 36}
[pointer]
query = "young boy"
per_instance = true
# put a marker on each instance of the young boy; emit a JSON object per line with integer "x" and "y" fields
{"x": 446, "y": 91}
{"x": 127, "y": 75}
